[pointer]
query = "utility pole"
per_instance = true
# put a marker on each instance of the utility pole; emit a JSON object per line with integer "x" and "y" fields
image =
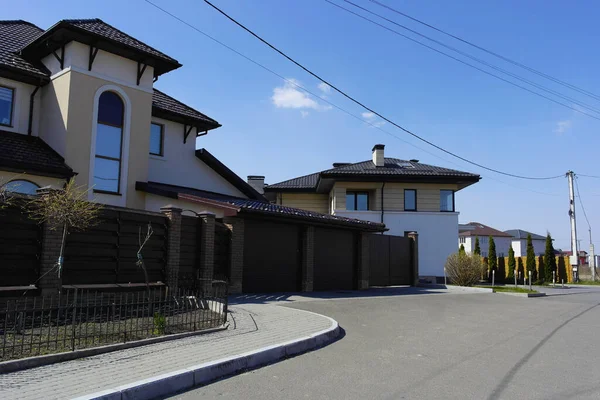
{"x": 575, "y": 253}
{"x": 592, "y": 258}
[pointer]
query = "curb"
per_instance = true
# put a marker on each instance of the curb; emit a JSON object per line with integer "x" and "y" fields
{"x": 202, "y": 374}
{"x": 455, "y": 289}
{"x": 523, "y": 294}
{"x": 38, "y": 361}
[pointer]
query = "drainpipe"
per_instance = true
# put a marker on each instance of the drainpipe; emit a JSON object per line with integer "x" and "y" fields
{"x": 382, "y": 187}
{"x": 29, "y": 128}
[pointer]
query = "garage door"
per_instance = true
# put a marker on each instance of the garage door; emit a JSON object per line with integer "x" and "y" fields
{"x": 335, "y": 260}
{"x": 271, "y": 257}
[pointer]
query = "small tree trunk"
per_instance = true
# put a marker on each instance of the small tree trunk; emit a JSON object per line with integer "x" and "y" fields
{"x": 62, "y": 248}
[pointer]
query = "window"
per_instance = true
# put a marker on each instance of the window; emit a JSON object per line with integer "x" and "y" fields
{"x": 156, "y": 139}
{"x": 7, "y": 97}
{"x": 410, "y": 200}
{"x": 462, "y": 239}
{"x": 357, "y": 201}
{"x": 109, "y": 138}
{"x": 447, "y": 200}
{"x": 21, "y": 186}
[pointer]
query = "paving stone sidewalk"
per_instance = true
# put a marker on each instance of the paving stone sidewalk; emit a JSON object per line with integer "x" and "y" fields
{"x": 252, "y": 327}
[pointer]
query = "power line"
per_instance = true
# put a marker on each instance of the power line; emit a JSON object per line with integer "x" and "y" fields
{"x": 582, "y": 207}
{"x": 368, "y": 108}
{"x": 589, "y": 176}
{"x": 518, "y": 64}
{"x": 515, "y": 76}
{"x": 376, "y": 126}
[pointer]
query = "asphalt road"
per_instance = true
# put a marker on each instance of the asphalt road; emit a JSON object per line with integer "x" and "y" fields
{"x": 455, "y": 346}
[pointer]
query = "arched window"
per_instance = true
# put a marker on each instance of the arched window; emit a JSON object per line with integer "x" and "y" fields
{"x": 109, "y": 143}
{"x": 21, "y": 186}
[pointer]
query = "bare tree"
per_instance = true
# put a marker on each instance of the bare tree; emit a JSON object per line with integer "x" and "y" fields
{"x": 66, "y": 210}
{"x": 5, "y": 198}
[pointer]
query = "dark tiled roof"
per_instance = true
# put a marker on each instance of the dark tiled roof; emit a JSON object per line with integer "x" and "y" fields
{"x": 13, "y": 36}
{"x": 302, "y": 182}
{"x": 393, "y": 167}
{"x": 483, "y": 230}
{"x": 101, "y": 28}
{"x": 521, "y": 234}
{"x": 23, "y": 153}
{"x": 255, "y": 206}
{"x": 164, "y": 106}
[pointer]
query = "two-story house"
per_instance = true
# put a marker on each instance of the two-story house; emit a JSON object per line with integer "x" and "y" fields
{"x": 78, "y": 100}
{"x": 405, "y": 195}
{"x": 503, "y": 240}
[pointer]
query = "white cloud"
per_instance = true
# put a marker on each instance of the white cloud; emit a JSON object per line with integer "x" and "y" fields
{"x": 325, "y": 88}
{"x": 368, "y": 115}
{"x": 290, "y": 96}
{"x": 563, "y": 127}
{"x": 371, "y": 119}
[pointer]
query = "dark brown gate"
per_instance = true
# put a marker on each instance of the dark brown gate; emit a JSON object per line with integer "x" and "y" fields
{"x": 335, "y": 259}
{"x": 271, "y": 257}
{"x": 221, "y": 251}
{"x": 107, "y": 252}
{"x": 20, "y": 248}
{"x": 390, "y": 260}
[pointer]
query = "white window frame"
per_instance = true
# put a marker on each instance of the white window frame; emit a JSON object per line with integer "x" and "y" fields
{"x": 121, "y": 198}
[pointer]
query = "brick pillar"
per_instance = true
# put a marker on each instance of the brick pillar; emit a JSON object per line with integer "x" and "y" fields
{"x": 308, "y": 258}
{"x": 414, "y": 253}
{"x": 363, "y": 261}
{"x": 207, "y": 251}
{"x": 51, "y": 240}
{"x": 236, "y": 254}
{"x": 173, "y": 245}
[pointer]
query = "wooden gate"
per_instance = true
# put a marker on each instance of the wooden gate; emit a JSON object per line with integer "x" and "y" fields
{"x": 107, "y": 252}
{"x": 390, "y": 260}
{"x": 20, "y": 248}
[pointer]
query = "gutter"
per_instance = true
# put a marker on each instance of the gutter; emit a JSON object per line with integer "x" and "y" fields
{"x": 31, "y": 101}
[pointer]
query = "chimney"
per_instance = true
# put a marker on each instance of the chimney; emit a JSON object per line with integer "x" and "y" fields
{"x": 257, "y": 182}
{"x": 378, "y": 159}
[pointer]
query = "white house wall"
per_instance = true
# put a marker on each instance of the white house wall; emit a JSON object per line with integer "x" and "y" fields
{"x": 520, "y": 247}
{"x": 20, "y": 116}
{"x": 438, "y": 234}
{"x": 180, "y": 166}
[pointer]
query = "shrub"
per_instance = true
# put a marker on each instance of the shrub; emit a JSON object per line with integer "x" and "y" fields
{"x": 501, "y": 274}
{"x": 550, "y": 259}
{"x": 464, "y": 269}
{"x": 492, "y": 260}
{"x": 477, "y": 249}
{"x": 512, "y": 263}
{"x": 530, "y": 261}
{"x": 160, "y": 323}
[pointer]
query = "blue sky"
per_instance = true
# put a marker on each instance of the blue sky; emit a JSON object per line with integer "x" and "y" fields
{"x": 269, "y": 128}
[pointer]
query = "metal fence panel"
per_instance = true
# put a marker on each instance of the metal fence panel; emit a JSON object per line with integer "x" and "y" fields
{"x": 78, "y": 319}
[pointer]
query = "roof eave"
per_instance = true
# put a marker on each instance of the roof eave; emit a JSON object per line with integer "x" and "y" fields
{"x": 199, "y": 124}
{"x": 42, "y": 46}
{"x": 20, "y": 75}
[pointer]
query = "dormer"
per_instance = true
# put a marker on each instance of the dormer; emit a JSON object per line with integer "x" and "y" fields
{"x": 96, "y": 47}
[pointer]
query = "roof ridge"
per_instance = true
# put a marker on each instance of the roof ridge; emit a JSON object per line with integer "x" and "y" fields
{"x": 293, "y": 179}
{"x": 18, "y": 21}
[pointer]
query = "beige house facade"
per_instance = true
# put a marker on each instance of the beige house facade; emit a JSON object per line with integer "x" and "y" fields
{"x": 405, "y": 195}
{"x": 81, "y": 94}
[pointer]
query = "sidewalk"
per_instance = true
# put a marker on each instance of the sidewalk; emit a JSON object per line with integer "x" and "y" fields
{"x": 258, "y": 334}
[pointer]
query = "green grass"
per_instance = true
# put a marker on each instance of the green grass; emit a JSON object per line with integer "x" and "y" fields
{"x": 511, "y": 289}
